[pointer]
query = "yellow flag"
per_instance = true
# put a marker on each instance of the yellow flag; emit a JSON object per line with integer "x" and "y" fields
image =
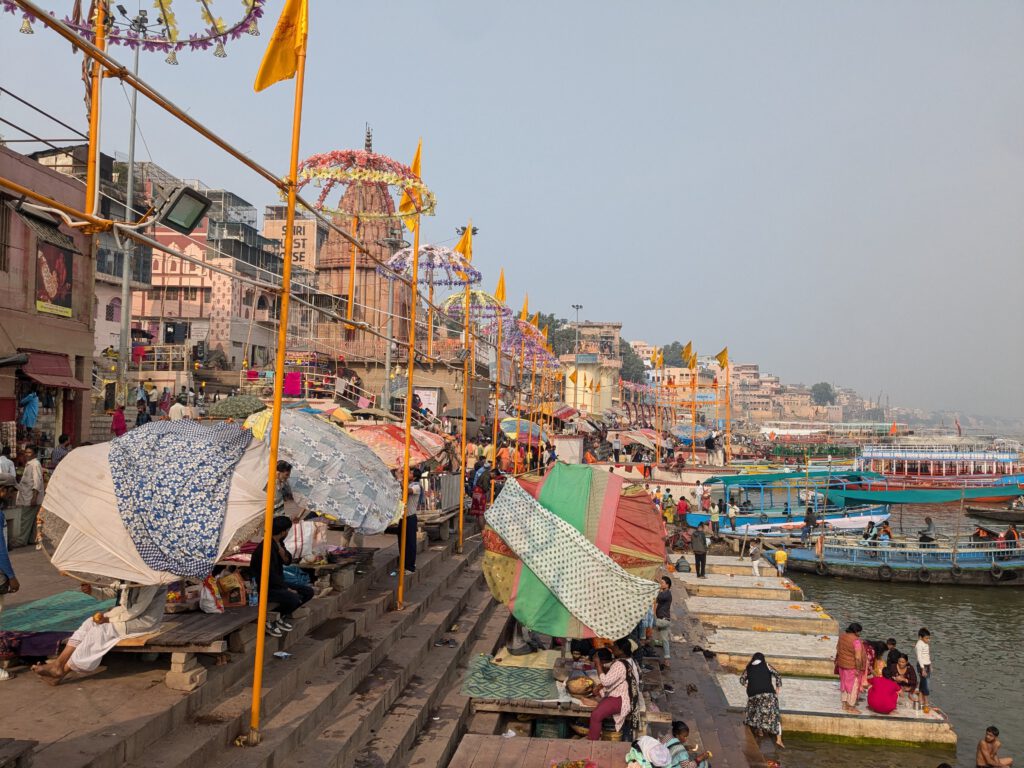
{"x": 410, "y": 202}
{"x": 465, "y": 244}
{"x": 692, "y": 365}
{"x": 499, "y": 292}
{"x": 598, "y": 387}
{"x": 687, "y": 351}
{"x": 572, "y": 376}
{"x": 281, "y": 60}
{"x": 535, "y": 318}
{"x": 545, "y": 332}
{"x": 723, "y": 358}
{"x": 525, "y": 314}
{"x": 661, "y": 360}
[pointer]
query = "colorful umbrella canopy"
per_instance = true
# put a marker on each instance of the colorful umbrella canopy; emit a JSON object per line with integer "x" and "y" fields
{"x": 437, "y": 266}
{"x": 236, "y": 407}
{"x": 333, "y": 474}
{"x": 587, "y": 573}
{"x": 340, "y": 415}
{"x": 387, "y": 441}
{"x": 482, "y": 306}
{"x": 529, "y": 432}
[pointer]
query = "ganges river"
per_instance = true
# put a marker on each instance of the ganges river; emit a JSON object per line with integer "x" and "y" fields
{"x": 977, "y": 651}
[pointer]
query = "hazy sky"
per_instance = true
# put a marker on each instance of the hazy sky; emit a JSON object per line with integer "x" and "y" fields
{"x": 833, "y": 189}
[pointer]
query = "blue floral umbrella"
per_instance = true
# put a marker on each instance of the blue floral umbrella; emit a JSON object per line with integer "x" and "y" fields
{"x": 333, "y": 474}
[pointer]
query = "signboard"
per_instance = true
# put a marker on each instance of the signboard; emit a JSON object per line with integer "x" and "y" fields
{"x": 53, "y": 280}
{"x": 586, "y": 359}
{"x": 428, "y": 397}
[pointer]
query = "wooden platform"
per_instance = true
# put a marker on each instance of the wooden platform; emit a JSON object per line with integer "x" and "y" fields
{"x": 765, "y": 587}
{"x": 791, "y": 653}
{"x": 762, "y": 615}
{"x": 478, "y": 751}
{"x": 812, "y": 706}
{"x": 726, "y": 564}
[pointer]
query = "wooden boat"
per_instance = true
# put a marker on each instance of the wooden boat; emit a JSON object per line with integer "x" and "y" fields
{"x": 1003, "y": 514}
{"x": 966, "y": 561}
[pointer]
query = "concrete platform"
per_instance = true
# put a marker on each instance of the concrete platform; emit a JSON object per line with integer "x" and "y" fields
{"x": 477, "y": 751}
{"x": 762, "y": 615}
{"x": 789, "y": 652}
{"x": 727, "y": 564}
{"x": 812, "y": 706}
{"x": 769, "y": 587}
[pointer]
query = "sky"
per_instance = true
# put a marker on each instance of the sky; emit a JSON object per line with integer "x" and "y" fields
{"x": 835, "y": 190}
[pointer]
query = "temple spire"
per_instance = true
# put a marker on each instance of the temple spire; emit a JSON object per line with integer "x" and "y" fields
{"x": 368, "y": 145}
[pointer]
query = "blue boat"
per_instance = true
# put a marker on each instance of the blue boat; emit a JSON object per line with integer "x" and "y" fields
{"x": 771, "y": 500}
{"x": 988, "y": 561}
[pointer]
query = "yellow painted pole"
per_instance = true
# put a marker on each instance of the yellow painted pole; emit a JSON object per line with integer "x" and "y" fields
{"x": 657, "y": 415}
{"x": 533, "y": 381}
{"x": 430, "y": 322}
{"x": 275, "y": 424}
{"x": 693, "y": 414}
{"x": 95, "y": 95}
{"x": 400, "y": 604}
{"x": 728, "y": 416}
{"x": 465, "y": 406}
{"x": 352, "y": 272}
{"x": 519, "y": 399}
{"x": 497, "y": 405}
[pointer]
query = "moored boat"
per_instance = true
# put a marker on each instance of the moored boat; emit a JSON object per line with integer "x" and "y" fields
{"x": 965, "y": 561}
{"x": 1003, "y": 514}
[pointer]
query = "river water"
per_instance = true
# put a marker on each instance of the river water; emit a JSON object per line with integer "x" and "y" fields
{"x": 977, "y": 644}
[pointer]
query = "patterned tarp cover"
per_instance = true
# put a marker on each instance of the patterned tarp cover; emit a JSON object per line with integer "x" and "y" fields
{"x": 572, "y": 553}
{"x": 172, "y": 480}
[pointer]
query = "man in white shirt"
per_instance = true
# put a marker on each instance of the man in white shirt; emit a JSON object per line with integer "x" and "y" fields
{"x": 923, "y": 652}
{"x": 30, "y": 489}
{"x": 178, "y": 410}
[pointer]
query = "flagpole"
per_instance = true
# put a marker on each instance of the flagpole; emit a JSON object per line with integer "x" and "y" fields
{"x": 465, "y": 407}
{"x": 430, "y": 320}
{"x": 693, "y": 410}
{"x": 352, "y": 271}
{"x": 95, "y": 96}
{"x": 275, "y": 424}
{"x": 497, "y": 406}
{"x": 533, "y": 381}
{"x": 519, "y": 400}
{"x": 400, "y": 597}
{"x": 728, "y": 415}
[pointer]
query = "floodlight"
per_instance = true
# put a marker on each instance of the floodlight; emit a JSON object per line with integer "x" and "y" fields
{"x": 183, "y": 209}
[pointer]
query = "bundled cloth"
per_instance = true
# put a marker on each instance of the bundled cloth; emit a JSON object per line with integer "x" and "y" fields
{"x": 172, "y": 480}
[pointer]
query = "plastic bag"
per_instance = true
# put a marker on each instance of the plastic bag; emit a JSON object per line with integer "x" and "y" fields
{"x": 307, "y": 539}
{"x": 209, "y": 598}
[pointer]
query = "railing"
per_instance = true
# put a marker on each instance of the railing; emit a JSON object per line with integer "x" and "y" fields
{"x": 900, "y": 551}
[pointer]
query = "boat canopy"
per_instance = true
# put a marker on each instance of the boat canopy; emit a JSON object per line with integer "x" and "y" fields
{"x": 769, "y": 478}
{"x": 919, "y": 496}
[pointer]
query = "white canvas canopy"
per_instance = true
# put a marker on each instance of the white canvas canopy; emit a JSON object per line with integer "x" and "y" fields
{"x": 81, "y": 493}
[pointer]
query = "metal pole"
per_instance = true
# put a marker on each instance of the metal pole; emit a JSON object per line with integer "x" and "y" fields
{"x": 387, "y": 347}
{"x": 124, "y": 348}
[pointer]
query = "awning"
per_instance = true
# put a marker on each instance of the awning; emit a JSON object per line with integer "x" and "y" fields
{"x": 51, "y": 370}
{"x": 45, "y": 229}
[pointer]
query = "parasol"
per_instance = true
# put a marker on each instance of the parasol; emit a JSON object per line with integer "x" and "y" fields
{"x": 340, "y": 415}
{"x": 529, "y": 432}
{"x": 333, "y": 474}
{"x": 638, "y": 438}
{"x": 482, "y": 306}
{"x": 387, "y": 441}
{"x": 572, "y": 554}
{"x": 437, "y": 266}
{"x": 80, "y": 523}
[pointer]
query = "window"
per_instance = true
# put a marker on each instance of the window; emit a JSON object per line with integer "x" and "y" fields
{"x": 207, "y": 295}
{"x": 113, "y": 312}
{"x": 5, "y": 233}
{"x": 153, "y": 294}
{"x": 247, "y": 298}
{"x": 172, "y": 293}
{"x": 190, "y": 294}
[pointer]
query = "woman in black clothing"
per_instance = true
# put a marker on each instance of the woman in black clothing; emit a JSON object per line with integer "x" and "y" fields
{"x": 763, "y": 683}
{"x": 663, "y": 618}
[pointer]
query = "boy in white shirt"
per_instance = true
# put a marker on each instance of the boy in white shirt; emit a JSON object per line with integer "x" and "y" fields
{"x": 923, "y": 654}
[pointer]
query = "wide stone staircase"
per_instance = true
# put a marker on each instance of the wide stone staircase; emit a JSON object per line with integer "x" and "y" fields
{"x": 365, "y": 685}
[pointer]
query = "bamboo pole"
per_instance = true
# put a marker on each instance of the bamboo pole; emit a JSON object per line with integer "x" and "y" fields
{"x": 95, "y": 97}
{"x": 519, "y": 400}
{"x": 497, "y": 406}
{"x": 728, "y": 416}
{"x": 430, "y": 320}
{"x": 400, "y": 597}
{"x": 352, "y": 271}
{"x": 275, "y": 425}
{"x": 693, "y": 414}
{"x": 465, "y": 406}
{"x": 533, "y": 381}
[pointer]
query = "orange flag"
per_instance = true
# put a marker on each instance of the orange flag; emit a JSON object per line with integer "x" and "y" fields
{"x": 281, "y": 59}
{"x": 410, "y": 202}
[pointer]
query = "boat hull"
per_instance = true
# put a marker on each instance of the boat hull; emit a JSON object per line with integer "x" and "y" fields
{"x": 1009, "y": 574}
{"x": 765, "y": 520}
{"x": 1002, "y": 514}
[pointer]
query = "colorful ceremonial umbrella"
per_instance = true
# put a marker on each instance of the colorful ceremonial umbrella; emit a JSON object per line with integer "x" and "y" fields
{"x": 236, "y": 407}
{"x": 529, "y": 432}
{"x": 574, "y": 553}
{"x": 333, "y": 473}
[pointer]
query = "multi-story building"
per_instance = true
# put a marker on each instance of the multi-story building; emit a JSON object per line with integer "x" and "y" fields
{"x": 46, "y": 302}
{"x": 309, "y": 234}
{"x": 597, "y": 363}
{"x": 643, "y": 349}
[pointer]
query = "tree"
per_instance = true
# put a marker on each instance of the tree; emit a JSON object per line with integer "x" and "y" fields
{"x": 633, "y": 368}
{"x": 823, "y": 394}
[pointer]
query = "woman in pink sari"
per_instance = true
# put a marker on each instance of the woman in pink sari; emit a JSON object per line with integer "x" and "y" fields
{"x": 850, "y": 659}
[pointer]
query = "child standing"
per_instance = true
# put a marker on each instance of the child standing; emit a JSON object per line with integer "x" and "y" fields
{"x": 923, "y": 654}
{"x": 780, "y": 559}
{"x": 755, "y": 557}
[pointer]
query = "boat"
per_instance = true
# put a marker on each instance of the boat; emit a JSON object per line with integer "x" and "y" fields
{"x": 1003, "y": 514}
{"x": 965, "y": 560}
{"x": 951, "y": 464}
{"x": 778, "y": 498}
{"x": 834, "y": 522}
{"x": 884, "y": 495}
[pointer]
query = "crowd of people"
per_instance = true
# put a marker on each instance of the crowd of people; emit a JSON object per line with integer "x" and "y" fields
{"x": 881, "y": 673}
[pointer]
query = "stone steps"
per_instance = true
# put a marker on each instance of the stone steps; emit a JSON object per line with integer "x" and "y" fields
{"x": 327, "y": 664}
{"x": 354, "y": 720}
{"x": 437, "y": 742}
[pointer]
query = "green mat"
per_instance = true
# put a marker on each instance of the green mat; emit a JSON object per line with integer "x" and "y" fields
{"x": 63, "y": 612}
{"x": 491, "y": 681}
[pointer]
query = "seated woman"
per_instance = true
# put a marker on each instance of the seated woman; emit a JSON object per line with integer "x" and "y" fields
{"x": 902, "y": 672}
{"x": 883, "y": 695}
{"x": 613, "y": 690}
{"x": 884, "y": 535}
{"x": 139, "y": 611}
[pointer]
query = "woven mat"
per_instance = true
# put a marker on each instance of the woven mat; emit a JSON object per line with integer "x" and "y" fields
{"x": 486, "y": 680}
{"x": 539, "y": 660}
{"x": 63, "y": 612}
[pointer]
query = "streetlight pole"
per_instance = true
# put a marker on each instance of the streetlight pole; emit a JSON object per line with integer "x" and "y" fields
{"x": 138, "y": 24}
{"x": 575, "y": 358}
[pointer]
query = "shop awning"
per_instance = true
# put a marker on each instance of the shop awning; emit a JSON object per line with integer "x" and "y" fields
{"x": 45, "y": 229}
{"x": 51, "y": 370}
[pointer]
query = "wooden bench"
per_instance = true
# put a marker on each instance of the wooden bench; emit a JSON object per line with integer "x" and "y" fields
{"x": 438, "y": 525}
{"x": 184, "y": 635}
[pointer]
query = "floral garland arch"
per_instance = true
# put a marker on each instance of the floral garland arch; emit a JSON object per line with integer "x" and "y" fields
{"x": 345, "y": 167}
{"x": 166, "y": 36}
{"x": 439, "y": 266}
{"x": 482, "y": 307}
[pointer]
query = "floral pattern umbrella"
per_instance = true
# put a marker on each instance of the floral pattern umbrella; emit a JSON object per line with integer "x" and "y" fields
{"x": 438, "y": 266}
{"x": 333, "y": 473}
{"x": 482, "y": 307}
{"x": 387, "y": 441}
{"x": 529, "y": 432}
